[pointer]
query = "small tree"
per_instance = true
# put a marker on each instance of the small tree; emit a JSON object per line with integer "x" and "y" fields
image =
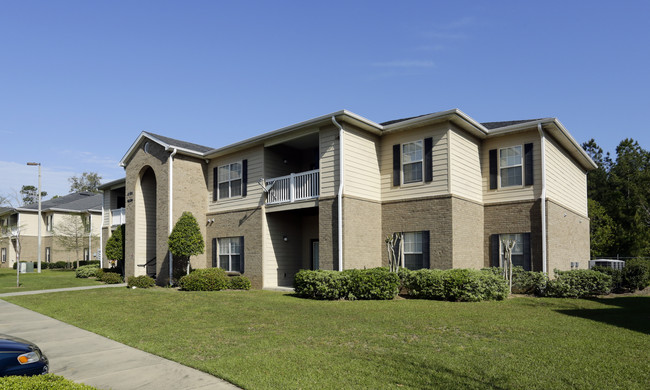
{"x": 185, "y": 240}
{"x": 508, "y": 246}
{"x": 115, "y": 245}
{"x": 393, "y": 242}
{"x": 73, "y": 233}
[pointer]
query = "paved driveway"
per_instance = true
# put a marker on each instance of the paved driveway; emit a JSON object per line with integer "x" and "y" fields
{"x": 88, "y": 358}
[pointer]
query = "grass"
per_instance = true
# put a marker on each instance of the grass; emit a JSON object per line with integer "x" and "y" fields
{"x": 271, "y": 340}
{"x": 47, "y": 279}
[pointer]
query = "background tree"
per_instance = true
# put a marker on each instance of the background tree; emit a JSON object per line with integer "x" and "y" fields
{"x": 29, "y": 194}
{"x": 184, "y": 241}
{"x": 115, "y": 246}
{"x": 88, "y": 181}
{"x": 72, "y": 234}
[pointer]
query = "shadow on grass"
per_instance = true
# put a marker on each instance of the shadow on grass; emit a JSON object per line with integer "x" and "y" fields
{"x": 631, "y": 313}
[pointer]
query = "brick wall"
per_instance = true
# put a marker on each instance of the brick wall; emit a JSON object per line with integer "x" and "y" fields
{"x": 362, "y": 241}
{"x": 468, "y": 248}
{"x": 568, "y": 238}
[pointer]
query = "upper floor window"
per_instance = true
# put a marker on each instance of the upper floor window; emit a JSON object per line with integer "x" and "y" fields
{"x": 229, "y": 180}
{"x": 412, "y": 159}
{"x": 511, "y": 166}
{"x": 49, "y": 224}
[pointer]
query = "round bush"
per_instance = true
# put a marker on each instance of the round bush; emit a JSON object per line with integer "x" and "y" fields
{"x": 141, "y": 281}
{"x": 205, "y": 279}
{"x": 240, "y": 283}
{"x": 111, "y": 278}
{"x": 86, "y": 271}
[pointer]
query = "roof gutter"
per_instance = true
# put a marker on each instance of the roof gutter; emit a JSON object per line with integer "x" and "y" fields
{"x": 340, "y": 195}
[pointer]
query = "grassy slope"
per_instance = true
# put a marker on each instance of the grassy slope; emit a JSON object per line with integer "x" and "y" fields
{"x": 262, "y": 339}
{"x": 47, "y": 279}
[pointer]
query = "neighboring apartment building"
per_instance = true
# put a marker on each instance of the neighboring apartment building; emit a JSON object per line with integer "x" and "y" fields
{"x": 270, "y": 205}
{"x": 20, "y": 226}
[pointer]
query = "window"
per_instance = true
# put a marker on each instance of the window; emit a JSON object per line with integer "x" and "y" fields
{"x": 230, "y": 253}
{"x": 521, "y": 252}
{"x": 3, "y": 255}
{"x": 48, "y": 255}
{"x": 86, "y": 254}
{"x": 510, "y": 166}
{"x": 49, "y": 224}
{"x": 230, "y": 180}
{"x": 86, "y": 222}
{"x": 413, "y": 254}
{"x": 412, "y": 161}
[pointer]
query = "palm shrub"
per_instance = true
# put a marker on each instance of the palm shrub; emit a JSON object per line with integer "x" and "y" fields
{"x": 205, "y": 279}
{"x": 185, "y": 241}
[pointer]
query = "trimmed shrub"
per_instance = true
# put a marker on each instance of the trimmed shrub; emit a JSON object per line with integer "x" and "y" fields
{"x": 636, "y": 274}
{"x": 578, "y": 283}
{"x": 374, "y": 283}
{"x": 239, "y": 283}
{"x": 616, "y": 275}
{"x": 99, "y": 273}
{"x": 423, "y": 283}
{"x": 204, "y": 279}
{"x": 86, "y": 271}
{"x": 320, "y": 284}
{"x": 59, "y": 265}
{"x": 38, "y": 382}
{"x": 141, "y": 281}
{"x": 111, "y": 278}
{"x": 528, "y": 282}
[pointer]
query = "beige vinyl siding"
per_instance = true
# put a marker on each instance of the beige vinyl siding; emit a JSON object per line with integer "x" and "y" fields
{"x": 465, "y": 168}
{"x": 362, "y": 174}
{"x": 439, "y": 185}
{"x": 281, "y": 259}
{"x": 512, "y": 193}
{"x": 107, "y": 208}
{"x": 28, "y": 224}
{"x": 255, "y": 196}
{"x": 566, "y": 182}
{"x": 328, "y": 164}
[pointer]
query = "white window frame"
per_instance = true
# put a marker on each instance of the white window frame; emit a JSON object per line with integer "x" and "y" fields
{"x": 86, "y": 254}
{"x": 230, "y": 180}
{"x": 49, "y": 222}
{"x": 517, "y": 250}
{"x": 520, "y": 166}
{"x": 404, "y": 164}
{"x": 3, "y": 254}
{"x": 48, "y": 254}
{"x": 410, "y": 251}
{"x": 224, "y": 248}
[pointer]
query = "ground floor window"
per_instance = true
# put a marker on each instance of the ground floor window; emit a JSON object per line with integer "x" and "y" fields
{"x": 230, "y": 254}
{"x": 3, "y": 255}
{"x": 521, "y": 255}
{"x": 416, "y": 250}
{"x": 48, "y": 255}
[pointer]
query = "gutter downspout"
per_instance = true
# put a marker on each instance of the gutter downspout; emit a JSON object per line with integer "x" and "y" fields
{"x": 543, "y": 197}
{"x": 101, "y": 238}
{"x": 90, "y": 236}
{"x": 340, "y": 195}
{"x": 171, "y": 204}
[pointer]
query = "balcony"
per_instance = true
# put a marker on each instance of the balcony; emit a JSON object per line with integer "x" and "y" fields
{"x": 118, "y": 217}
{"x": 293, "y": 187}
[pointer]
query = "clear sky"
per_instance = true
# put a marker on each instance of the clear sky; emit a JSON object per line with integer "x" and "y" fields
{"x": 79, "y": 80}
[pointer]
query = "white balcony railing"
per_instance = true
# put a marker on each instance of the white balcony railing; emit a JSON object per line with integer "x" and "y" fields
{"x": 118, "y": 217}
{"x": 293, "y": 187}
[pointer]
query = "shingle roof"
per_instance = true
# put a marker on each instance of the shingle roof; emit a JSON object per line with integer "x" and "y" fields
{"x": 401, "y": 120}
{"x": 78, "y": 201}
{"x": 181, "y": 144}
{"x": 496, "y": 125}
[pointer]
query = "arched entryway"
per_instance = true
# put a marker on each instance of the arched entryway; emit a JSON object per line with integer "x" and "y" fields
{"x": 145, "y": 223}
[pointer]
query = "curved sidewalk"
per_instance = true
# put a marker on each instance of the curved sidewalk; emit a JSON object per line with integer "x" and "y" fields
{"x": 86, "y": 357}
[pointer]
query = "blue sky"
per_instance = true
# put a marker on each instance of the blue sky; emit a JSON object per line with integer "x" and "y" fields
{"x": 79, "y": 80}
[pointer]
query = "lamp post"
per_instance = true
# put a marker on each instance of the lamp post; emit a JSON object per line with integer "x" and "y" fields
{"x": 39, "y": 212}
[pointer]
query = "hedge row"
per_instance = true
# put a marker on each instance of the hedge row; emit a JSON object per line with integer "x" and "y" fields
{"x": 212, "y": 279}
{"x": 64, "y": 264}
{"x": 375, "y": 283}
{"x": 466, "y": 285}
{"x": 41, "y": 382}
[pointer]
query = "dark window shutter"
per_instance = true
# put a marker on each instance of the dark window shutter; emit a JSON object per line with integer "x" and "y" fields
{"x": 527, "y": 262}
{"x": 241, "y": 254}
{"x": 214, "y": 253}
{"x": 215, "y": 183}
{"x": 528, "y": 163}
{"x": 494, "y": 250}
{"x": 494, "y": 174}
{"x": 244, "y": 177}
{"x": 428, "y": 159}
{"x": 426, "y": 262}
{"x": 396, "y": 165}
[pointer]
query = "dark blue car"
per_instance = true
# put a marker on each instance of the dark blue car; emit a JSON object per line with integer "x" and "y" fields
{"x": 20, "y": 357}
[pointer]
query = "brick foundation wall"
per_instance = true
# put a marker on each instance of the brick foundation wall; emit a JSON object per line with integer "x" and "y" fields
{"x": 362, "y": 240}
{"x": 467, "y": 220}
{"x": 568, "y": 238}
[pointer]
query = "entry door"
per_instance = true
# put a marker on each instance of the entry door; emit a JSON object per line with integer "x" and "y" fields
{"x": 314, "y": 254}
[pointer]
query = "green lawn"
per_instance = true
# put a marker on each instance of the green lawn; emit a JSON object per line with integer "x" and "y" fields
{"x": 47, "y": 279}
{"x": 271, "y": 340}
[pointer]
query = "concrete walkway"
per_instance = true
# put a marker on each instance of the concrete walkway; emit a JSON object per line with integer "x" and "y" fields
{"x": 13, "y": 294}
{"x": 85, "y": 357}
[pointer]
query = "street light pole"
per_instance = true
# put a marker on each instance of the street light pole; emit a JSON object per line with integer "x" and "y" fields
{"x": 39, "y": 213}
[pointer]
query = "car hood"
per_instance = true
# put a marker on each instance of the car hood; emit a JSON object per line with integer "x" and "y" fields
{"x": 11, "y": 343}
